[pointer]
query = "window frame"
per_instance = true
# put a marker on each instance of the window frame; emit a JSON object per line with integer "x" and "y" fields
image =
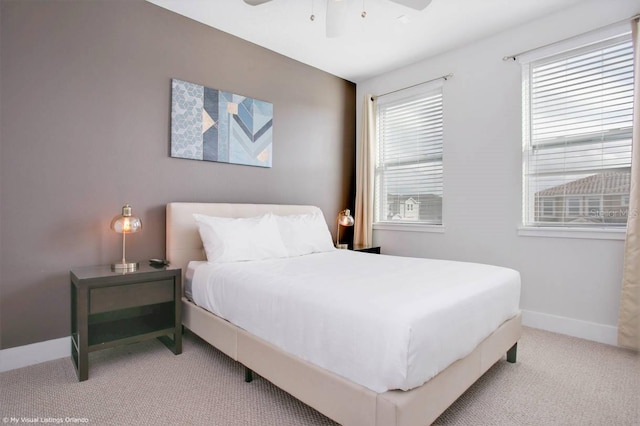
{"x": 429, "y": 89}
{"x": 539, "y": 228}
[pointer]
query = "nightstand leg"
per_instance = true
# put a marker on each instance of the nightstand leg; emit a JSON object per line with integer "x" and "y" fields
{"x": 83, "y": 367}
{"x": 175, "y": 344}
{"x": 82, "y": 327}
{"x": 178, "y": 343}
{"x": 179, "y": 328}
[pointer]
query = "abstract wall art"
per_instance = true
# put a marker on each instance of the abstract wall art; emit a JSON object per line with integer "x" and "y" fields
{"x": 212, "y": 125}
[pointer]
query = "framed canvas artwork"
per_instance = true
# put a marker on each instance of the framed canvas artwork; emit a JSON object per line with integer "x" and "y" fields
{"x": 212, "y": 125}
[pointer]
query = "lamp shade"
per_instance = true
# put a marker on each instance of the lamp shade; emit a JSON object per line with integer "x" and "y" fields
{"x": 124, "y": 224}
{"x": 345, "y": 218}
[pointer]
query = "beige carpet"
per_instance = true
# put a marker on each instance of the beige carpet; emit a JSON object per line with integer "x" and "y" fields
{"x": 558, "y": 380}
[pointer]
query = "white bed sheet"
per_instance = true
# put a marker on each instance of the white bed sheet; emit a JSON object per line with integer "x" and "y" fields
{"x": 384, "y": 322}
{"x": 188, "y": 276}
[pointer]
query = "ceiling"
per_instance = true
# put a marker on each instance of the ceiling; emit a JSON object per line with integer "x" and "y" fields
{"x": 371, "y": 46}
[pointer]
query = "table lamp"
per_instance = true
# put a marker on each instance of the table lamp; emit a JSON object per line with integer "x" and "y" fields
{"x": 124, "y": 224}
{"x": 344, "y": 219}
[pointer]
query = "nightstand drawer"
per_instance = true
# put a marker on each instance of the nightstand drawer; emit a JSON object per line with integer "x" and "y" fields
{"x": 105, "y": 299}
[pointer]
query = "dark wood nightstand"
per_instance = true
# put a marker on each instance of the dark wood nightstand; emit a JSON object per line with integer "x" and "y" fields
{"x": 367, "y": 249}
{"x": 111, "y": 308}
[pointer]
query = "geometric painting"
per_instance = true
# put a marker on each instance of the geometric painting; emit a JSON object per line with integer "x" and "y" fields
{"x": 212, "y": 125}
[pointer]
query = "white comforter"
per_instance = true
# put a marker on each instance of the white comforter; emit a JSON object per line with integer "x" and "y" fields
{"x": 384, "y": 322}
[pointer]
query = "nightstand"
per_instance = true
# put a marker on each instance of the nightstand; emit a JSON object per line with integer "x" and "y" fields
{"x": 110, "y": 308}
{"x": 367, "y": 249}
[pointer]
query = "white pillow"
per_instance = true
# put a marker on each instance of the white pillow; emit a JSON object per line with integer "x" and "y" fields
{"x": 238, "y": 239}
{"x": 305, "y": 234}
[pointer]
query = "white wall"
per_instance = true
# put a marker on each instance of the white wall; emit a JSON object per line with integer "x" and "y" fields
{"x": 569, "y": 285}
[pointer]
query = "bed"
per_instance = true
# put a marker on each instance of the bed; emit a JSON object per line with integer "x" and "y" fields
{"x": 320, "y": 388}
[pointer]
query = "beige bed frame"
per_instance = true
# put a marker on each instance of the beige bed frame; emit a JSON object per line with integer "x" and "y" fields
{"x": 339, "y": 399}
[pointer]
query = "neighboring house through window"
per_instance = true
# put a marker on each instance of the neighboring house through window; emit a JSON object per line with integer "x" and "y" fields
{"x": 408, "y": 170}
{"x": 578, "y": 111}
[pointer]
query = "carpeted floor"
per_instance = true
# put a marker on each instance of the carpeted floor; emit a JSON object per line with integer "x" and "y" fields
{"x": 558, "y": 380}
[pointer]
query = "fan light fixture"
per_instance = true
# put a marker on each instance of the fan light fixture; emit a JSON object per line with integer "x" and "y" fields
{"x": 336, "y": 12}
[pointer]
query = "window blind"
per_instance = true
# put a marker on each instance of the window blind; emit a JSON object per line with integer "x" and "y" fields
{"x": 408, "y": 172}
{"x": 578, "y": 112}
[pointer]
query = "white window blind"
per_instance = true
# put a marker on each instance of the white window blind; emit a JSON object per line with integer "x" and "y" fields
{"x": 408, "y": 172}
{"x": 577, "y": 123}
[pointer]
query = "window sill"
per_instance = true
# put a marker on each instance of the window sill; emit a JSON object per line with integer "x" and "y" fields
{"x": 409, "y": 227}
{"x": 566, "y": 232}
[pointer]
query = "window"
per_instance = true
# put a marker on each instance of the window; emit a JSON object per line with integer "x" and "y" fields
{"x": 594, "y": 206}
{"x": 547, "y": 207}
{"x": 573, "y": 207}
{"x": 577, "y": 113}
{"x": 408, "y": 171}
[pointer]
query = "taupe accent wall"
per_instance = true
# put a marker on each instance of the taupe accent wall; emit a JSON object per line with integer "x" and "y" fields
{"x": 85, "y": 128}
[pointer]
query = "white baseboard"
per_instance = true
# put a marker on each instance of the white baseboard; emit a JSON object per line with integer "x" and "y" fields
{"x": 571, "y": 327}
{"x": 22, "y": 356}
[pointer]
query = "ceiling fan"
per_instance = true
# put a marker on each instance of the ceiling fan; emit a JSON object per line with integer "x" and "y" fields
{"x": 336, "y": 12}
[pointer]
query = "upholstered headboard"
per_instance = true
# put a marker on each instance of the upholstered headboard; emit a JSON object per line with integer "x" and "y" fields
{"x": 183, "y": 239}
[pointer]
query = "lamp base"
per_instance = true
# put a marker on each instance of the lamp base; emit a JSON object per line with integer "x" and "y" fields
{"x": 125, "y": 267}
{"x": 342, "y": 246}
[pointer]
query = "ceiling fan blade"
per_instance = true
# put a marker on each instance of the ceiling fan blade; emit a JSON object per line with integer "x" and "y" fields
{"x": 413, "y": 4}
{"x": 256, "y": 2}
{"x": 336, "y": 17}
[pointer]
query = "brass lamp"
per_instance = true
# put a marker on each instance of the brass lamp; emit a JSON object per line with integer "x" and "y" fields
{"x": 124, "y": 224}
{"x": 344, "y": 219}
